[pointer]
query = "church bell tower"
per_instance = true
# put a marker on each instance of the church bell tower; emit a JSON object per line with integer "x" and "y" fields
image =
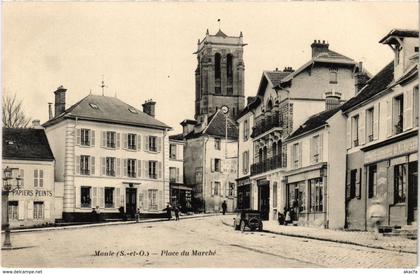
{"x": 219, "y": 77}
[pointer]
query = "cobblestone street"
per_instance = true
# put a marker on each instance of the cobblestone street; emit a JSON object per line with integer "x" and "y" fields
{"x": 164, "y": 243}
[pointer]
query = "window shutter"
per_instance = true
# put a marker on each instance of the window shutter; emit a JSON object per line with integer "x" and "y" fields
{"x": 408, "y": 109}
{"x": 158, "y": 143}
{"x": 77, "y": 196}
{"x": 92, "y": 138}
{"x": 92, "y": 165}
{"x": 348, "y": 185}
{"x": 103, "y": 139}
{"x": 125, "y": 168}
{"x": 94, "y": 196}
{"x": 125, "y": 140}
{"x": 160, "y": 199}
{"x": 77, "y": 165}
{"x": 103, "y": 166}
{"x": 222, "y": 166}
{"x": 30, "y": 210}
{"x": 321, "y": 147}
{"x": 41, "y": 178}
{"x": 388, "y": 118}
{"x": 146, "y": 143}
{"x": 146, "y": 169}
{"x": 376, "y": 121}
{"x": 300, "y": 154}
{"x": 180, "y": 154}
{"x": 117, "y": 136}
{"x": 391, "y": 186}
{"x": 118, "y": 167}
{"x": 21, "y": 209}
{"x": 362, "y": 122}
{"x": 22, "y": 177}
{"x": 159, "y": 170}
{"x": 47, "y": 210}
{"x": 212, "y": 164}
{"x": 145, "y": 204}
{"x": 141, "y": 201}
{"x": 138, "y": 168}
{"x": 212, "y": 188}
{"x": 348, "y": 136}
{"x": 138, "y": 142}
{"x": 101, "y": 197}
{"x": 226, "y": 189}
{"x": 177, "y": 175}
{"x": 78, "y": 136}
{"x": 117, "y": 198}
{"x": 359, "y": 184}
{"x": 311, "y": 149}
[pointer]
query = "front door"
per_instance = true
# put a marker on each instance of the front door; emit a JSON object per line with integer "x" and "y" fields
{"x": 131, "y": 201}
{"x": 264, "y": 200}
{"x": 412, "y": 193}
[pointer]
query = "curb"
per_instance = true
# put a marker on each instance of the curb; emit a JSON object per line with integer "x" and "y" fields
{"x": 103, "y": 224}
{"x": 331, "y": 240}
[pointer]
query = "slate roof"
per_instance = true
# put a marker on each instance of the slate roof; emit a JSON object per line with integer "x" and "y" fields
{"x": 314, "y": 122}
{"x": 252, "y": 105}
{"x": 109, "y": 109}
{"x": 26, "y": 144}
{"x": 400, "y": 33}
{"x": 376, "y": 84}
{"x": 275, "y": 77}
{"x": 177, "y": 137}
{"x": 216, "y": 127}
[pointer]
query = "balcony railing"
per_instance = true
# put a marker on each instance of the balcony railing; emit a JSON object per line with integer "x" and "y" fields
{"x": 268, "y": 164}
{"x": 265, "y": 125}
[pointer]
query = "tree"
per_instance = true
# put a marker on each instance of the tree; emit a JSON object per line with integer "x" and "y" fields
{"x": 13, "y": 113}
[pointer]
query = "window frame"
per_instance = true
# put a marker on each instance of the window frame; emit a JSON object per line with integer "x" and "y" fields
{"x": 85, "y": 135}
{"x": 372, "y": 180}
{"x": 153, "y": 143}
{"x": 355, "y": 125}
{"x": 84, "y": 162}
{"x": 400, "y": 183}
{"x": 111, "y": 137}
{"x": 106, "y": 197}
{"x": 132, "y": 141}
{"x": 153, "y": 169}
{"x": 88, "y": 203}
{"x": 38, "y": 210}
{"x": 172, "y": 151}
{"x": 370, "y": 123}
{"x": 13, "y": 210}
{"x": 217, "y": 144}
{"x": 110, "y": 166}
{"x": 131, "y": 168}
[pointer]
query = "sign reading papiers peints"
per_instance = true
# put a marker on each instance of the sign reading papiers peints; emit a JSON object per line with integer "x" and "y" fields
{"x": 30, "y": 193}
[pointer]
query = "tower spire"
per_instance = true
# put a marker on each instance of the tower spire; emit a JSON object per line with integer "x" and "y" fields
{"x": 103, "y": 86}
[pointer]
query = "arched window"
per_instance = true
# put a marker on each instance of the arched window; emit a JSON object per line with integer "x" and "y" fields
{"x": 217, "y": 73}
{"x": 274, "y": 148}
{"x": 260, "y": 155}
{"x": 265, "y": 153}
{"x": 229, "y": 74}
{"x": 269, "y": 105}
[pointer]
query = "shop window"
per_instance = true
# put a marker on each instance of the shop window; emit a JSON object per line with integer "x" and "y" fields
{"x": 84, "y": 165}
{"x": 372, "y": 180}
{"x": 172, "y": 151}
{"x": 152, "y": 195}
{"x": 369, "y": 124}
{"x": 153, "y": 169}
{"x": 400, "y": 183}
{"x": 132, "y": 141}
{"x": 85, "y": 137}
{"x": 296, "y": 196}
{"x": 85, "y": 197}
{"x": 13, "y": 210}
{"x": 355, "y": 130}
{"x": 110, "y": 166}
{"x": 38, "y": 210}
{"x": 109, "y": 197}
{"x": 110, "y": 139}
{"x": 131, "y": 168}
{"x": 38, "y": 178}
{"x": 316, "y": 194}
{"x": 217, "y": 143}
{"x": 398, "y": 116}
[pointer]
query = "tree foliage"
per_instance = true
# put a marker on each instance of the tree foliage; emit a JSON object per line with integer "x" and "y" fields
{"x": 13, "y": 114}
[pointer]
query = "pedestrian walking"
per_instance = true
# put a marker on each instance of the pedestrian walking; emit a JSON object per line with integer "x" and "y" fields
{"x": 138, "y": 215}
{"x": 176, "y": 210}
{"x": 288, "y": 219}
{"x": 168, "y": 210}
{"x": 224, "y": 207}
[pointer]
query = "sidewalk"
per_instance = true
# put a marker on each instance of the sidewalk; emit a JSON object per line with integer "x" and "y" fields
{"x": 360, "y": 238}
{"x": 108, "y": 223}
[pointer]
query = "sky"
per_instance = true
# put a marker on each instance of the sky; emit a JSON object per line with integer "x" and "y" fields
{"x": 145, "y": 50}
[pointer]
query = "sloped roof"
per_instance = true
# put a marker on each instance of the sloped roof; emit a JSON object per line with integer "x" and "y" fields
{"x": 217, "y": 127}
{"x": 177, "y": 137}
{"x": 252, "y": 105}
{"x": 220, "y": 33}
{"x": 376, "y": 84}
{"x": 26, "y": 144}
{"x": 109, "y": 109}
{"x": 275, "y": 77}
{"x": 314, "y": 122}
{"x": 400, "y": 33}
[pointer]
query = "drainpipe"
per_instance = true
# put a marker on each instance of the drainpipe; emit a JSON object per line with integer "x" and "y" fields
{"x": 203, "y": 170}
{"x": 163, "y": 165}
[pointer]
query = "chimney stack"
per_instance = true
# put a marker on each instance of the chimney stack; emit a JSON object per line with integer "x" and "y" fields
{"x": 332, "y": 100}
{"x": 50, "y": 113}
{"x": 288, "y": 69}
{"x": 60, "y": 100}
{"x": 360, "y": 78}
{"x": 319, "y": 47}
{"x": 36, "y": 124}
{"x": 149, "y": 107}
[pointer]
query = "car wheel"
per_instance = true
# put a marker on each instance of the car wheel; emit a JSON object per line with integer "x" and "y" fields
{"x": 242, "y": 226}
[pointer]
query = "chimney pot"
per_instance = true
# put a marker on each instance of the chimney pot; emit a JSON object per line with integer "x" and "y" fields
{"x": 36, "y": 124}
{"x": 60, "y": 100}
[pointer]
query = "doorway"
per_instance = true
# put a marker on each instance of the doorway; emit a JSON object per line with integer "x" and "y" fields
{"x": 412, "y": 193}
{"x": 131, "y": 201}
{"x": 264, "y": 200}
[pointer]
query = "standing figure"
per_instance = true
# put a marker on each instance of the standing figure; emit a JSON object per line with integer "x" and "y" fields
{"x": 138, "y": 215}
{"x": 224, "y": 207}
{"x": 168, "y": 210}
{"x": 288, "y": 218}
{"x": 176, "y": 210}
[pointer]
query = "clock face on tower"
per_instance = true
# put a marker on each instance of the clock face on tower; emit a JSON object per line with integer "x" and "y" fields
{"x": 225, "y": 109}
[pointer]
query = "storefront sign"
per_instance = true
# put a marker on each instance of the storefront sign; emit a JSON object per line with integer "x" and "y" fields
{"x": 31, "y": 192}
{"x": 392, "y": 150}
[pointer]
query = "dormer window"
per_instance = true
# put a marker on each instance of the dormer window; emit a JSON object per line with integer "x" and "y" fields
{"x": 132, "y": 110}
{"x": 94, "y": 106}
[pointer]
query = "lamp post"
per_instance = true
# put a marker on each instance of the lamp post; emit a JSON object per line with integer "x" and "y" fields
{"x": 7, "y": 188}
{"x": 225, "y": 111}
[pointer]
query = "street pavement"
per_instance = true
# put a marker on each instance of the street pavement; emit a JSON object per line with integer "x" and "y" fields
{"x": 199, "y": 242}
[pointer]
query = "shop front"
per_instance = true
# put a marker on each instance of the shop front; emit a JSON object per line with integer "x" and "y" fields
{"x": 392, "y": 179}
{"x": 244, "y": 193}
{"x": 181, "y": 196}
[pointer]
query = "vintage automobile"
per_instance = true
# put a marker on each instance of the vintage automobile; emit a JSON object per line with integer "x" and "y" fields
{"x": 248, "y": 218}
